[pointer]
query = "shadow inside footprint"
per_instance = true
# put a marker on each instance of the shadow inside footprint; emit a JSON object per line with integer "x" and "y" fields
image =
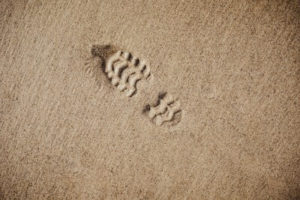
{"x": 103, "y": 52}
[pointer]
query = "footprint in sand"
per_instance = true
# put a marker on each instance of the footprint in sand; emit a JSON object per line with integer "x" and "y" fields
{"x": 124, "y": 71}
{"x": 166, "y": 111}
{"x": 122, "y": 68}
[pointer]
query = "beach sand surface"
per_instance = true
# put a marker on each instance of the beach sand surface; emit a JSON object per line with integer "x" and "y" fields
{"x": 66, "y": 132}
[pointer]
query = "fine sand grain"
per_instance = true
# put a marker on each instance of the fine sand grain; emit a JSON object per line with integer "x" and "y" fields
{"x": 144, "y": 99}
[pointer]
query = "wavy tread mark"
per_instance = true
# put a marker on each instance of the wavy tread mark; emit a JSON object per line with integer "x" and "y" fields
{"x": 165, "y": 110}
{"x": 125, "y": 71}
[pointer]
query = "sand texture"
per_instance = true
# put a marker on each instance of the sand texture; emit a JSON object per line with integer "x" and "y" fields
{"x": 144, "y": 99}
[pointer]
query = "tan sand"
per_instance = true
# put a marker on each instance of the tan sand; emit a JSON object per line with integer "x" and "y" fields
{"x": 66, "y": 132}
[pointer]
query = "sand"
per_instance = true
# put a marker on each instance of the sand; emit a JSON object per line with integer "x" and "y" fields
{"x": 68, "y": 132}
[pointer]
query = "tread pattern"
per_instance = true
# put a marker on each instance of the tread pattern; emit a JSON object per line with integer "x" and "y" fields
{"x": 165, "y": 110}
{"x": 125, "y": 70}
